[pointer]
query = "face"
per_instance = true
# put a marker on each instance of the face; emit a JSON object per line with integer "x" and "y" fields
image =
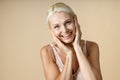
{"x": 62, "y": 26}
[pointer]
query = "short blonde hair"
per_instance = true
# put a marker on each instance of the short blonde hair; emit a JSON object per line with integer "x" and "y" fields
{"x": 58, "y": 7}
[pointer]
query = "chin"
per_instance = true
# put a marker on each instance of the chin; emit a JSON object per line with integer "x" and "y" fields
{"x": 68, "y": 41}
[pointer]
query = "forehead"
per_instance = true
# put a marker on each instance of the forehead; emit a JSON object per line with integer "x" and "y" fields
{"x": 59, "y": 17}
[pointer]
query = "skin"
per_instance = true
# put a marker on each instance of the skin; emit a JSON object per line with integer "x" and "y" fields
{"x": 68, "y": 43}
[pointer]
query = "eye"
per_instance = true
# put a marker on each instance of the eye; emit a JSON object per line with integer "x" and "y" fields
{"x": 68, "y": 22}
{"x": 56, "y": 27}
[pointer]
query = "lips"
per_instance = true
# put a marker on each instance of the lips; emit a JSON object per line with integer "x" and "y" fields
{"x": 67, "y": 36}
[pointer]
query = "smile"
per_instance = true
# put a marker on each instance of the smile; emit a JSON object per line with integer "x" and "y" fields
{"x": 67, "y": 36}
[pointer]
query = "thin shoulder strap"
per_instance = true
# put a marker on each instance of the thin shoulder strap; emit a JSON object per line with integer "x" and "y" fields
{"x": 54, "y": 50}
{"x": 85, "y": 47}
{"x": 58, "y": 60}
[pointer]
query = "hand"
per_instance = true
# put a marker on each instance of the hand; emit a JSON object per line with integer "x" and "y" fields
{"x": 78, "y": 33}
{"x": 66, "y": 49}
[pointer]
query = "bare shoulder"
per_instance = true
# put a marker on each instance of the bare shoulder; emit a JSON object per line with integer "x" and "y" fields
{"x": 47, "y": 52}
{"x": 92, "y": 47}
{"x": 93, "y": 58}
{"x": 45, "y": 48}
{"x": 91, "y": 44}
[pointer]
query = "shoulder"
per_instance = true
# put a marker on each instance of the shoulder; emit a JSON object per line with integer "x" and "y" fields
{"x": 47, "y": 52}
{"x": 94, "y": 58}
{"x": 91, "y": 44}
{"x": 92, "y": 47}
{"x": 45, "y": 49}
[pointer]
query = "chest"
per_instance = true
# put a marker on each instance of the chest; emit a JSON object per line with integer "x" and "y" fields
{"x": 75, "y": 64}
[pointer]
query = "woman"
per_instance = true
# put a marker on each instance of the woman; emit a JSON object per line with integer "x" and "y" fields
{"x": 69, "y": 57}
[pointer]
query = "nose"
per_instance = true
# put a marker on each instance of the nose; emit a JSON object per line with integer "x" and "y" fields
{"x": 64, "y": 29}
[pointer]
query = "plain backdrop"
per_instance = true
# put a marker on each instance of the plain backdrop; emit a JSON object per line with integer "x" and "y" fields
{"x": 23, "y": 31}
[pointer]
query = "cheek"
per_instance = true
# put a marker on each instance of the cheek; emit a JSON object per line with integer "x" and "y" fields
{"x": 56, "y": 33}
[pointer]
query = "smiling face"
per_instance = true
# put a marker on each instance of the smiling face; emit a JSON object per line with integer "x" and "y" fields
{"x": 62, "y": 26}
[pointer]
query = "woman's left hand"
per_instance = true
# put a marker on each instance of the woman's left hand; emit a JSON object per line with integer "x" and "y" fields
{"x": 78, "y": 33}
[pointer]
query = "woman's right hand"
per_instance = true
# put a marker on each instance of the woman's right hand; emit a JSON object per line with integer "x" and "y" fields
{"x": 66, "y": 73}
{"x": 65, "y": 49}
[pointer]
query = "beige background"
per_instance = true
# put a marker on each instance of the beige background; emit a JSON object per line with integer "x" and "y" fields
{"x": 23, "y": 32}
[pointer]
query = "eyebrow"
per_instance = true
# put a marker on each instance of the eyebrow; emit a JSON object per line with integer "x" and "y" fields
{"x": 63, "y": 21}
{"x": 67, "y": 20}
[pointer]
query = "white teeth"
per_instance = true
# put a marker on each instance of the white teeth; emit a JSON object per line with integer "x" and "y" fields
{"x": 67, "y": 35}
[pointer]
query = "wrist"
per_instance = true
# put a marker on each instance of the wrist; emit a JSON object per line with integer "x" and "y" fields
{"x": 76, "y": 45}
{"x": 69, "y": 55}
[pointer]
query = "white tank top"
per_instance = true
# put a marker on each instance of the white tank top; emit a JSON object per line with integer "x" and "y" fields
{"x": 77, "y": 75}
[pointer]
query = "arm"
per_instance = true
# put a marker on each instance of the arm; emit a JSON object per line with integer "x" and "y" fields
{"x": 50, "y": 68}
{"x": 93, "y": 59}
{"x": 90, "y": 67}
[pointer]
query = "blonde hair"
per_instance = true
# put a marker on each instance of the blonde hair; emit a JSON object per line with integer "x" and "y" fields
{"x": 58, "y": 7}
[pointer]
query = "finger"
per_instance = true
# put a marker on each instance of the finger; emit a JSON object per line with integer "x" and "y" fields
{"x": 60, "y": 44}
{"x": 55, "y": 38}
{"x": 78, "y": 32}
{"x": 76, "y": 25}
